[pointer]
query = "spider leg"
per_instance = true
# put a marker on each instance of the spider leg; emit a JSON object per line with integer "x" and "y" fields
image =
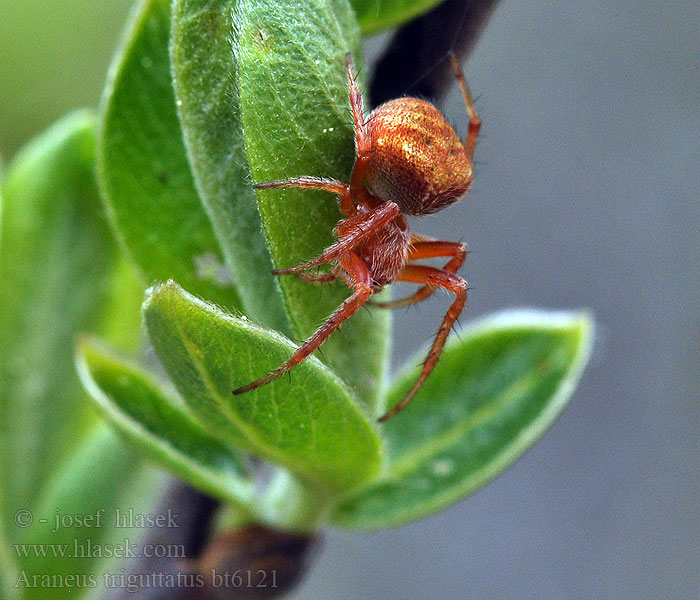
{"x": 474, "y": 120}
{"x": 351, "y": 232}
{"x": 419, "y": 237}
{"x": 362, "y": 289}
{"x": 362, "y": 140}
{"x": 429, "y": 249}
{"x": 316, "y": 183}
{"x": 434, "y": 278}
{"x": 323, "y": 277}
{"x": 318, "y": 278}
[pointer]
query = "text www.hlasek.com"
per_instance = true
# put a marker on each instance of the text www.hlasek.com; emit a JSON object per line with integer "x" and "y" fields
{"x": 85, "y": 548}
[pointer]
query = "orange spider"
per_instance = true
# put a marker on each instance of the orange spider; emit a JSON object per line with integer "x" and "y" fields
{"x": 409, "y": 161}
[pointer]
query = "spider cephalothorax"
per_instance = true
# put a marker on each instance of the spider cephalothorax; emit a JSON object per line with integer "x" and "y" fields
{"x": 409, "y": 161}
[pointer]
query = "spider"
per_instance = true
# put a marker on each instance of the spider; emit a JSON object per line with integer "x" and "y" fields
{"x": 409, "y": 161}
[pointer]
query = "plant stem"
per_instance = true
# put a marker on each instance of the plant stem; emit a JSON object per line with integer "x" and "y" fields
{"x": 415, "y": 61}
{"x": 193, "y": 512}
{"x": 291, "y": 505}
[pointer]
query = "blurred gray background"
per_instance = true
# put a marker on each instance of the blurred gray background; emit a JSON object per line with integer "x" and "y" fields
{"x": 586, "y": 195}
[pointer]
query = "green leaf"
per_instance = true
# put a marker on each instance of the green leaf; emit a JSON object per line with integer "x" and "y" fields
{"x": 8, "y": 568}
{"x": 296, "y": 121}
{"x": 121, "y": 322}
{"x": 103, "y": 475}
{"x": 161, "y": 426}
{"x": 307, "y": 423}
{"x": 492, "y": 395}
{"x": 144, "y": 173}
{"x": 57, "y": 276}
{"x": 55, "y": 259}
{"x": 375, "y": 15}
{"x": 204, "y": 72}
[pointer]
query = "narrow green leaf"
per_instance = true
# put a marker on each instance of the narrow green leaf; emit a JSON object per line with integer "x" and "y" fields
{"x": 204, "y": 76}
{"x": 8, "y": 567}
{"x": 57, "y": 276}
{"x": 144, "y": 173}
{"x": 307, "y": 423}
{"x": 493, "y": 394}
{"x": 55, "y": 259}
{"x": 375, "y": 15}
{"x": 161, "y": 426}
{"x": 296, "y": 121}
{"x": 121, "y": 314}
{"x": 9, "y": 570}
{"x": 101, "y": 477}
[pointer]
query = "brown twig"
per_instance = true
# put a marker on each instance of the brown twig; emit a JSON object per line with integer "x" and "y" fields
{"x": 191, "y": 513}
{"x": 252, "y": 562}
{"x": 415, "y": 62}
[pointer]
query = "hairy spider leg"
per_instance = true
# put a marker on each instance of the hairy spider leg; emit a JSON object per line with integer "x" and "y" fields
{"x": 351, "y": 232}
{"x": 362, "y": 289}
{"x": 316, "y": 183}
{"x": 429, "y": 249}
{"x": 326, "y": 277}
{"x": 318, "y": 277}
{"x": 474, "y": 120}
{"x": 432, "y": 277}
{"x": 349, "y": 195}
{"x": 363, "y": 144}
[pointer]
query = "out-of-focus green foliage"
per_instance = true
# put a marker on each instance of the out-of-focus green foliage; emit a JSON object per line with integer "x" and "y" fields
{"x": 143, "y": 171}
{"x": 56, "y": 256}
{"x": 53, "y": 58}
{"x": 59, "y": 274}
{"x": 375, "y": 15}
{"x": 151, "y": 417}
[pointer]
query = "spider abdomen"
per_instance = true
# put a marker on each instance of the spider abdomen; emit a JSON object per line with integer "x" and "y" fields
{"x": 417, "y": 159}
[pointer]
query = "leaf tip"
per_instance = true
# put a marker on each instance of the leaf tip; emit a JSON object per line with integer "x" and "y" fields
{"x": 160, "y": 291}
{"x": 583, "y": 327}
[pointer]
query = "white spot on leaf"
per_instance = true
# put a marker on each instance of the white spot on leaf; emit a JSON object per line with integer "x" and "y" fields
{"x": 442, "y": 467}
{"x": 210, "y": 268}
